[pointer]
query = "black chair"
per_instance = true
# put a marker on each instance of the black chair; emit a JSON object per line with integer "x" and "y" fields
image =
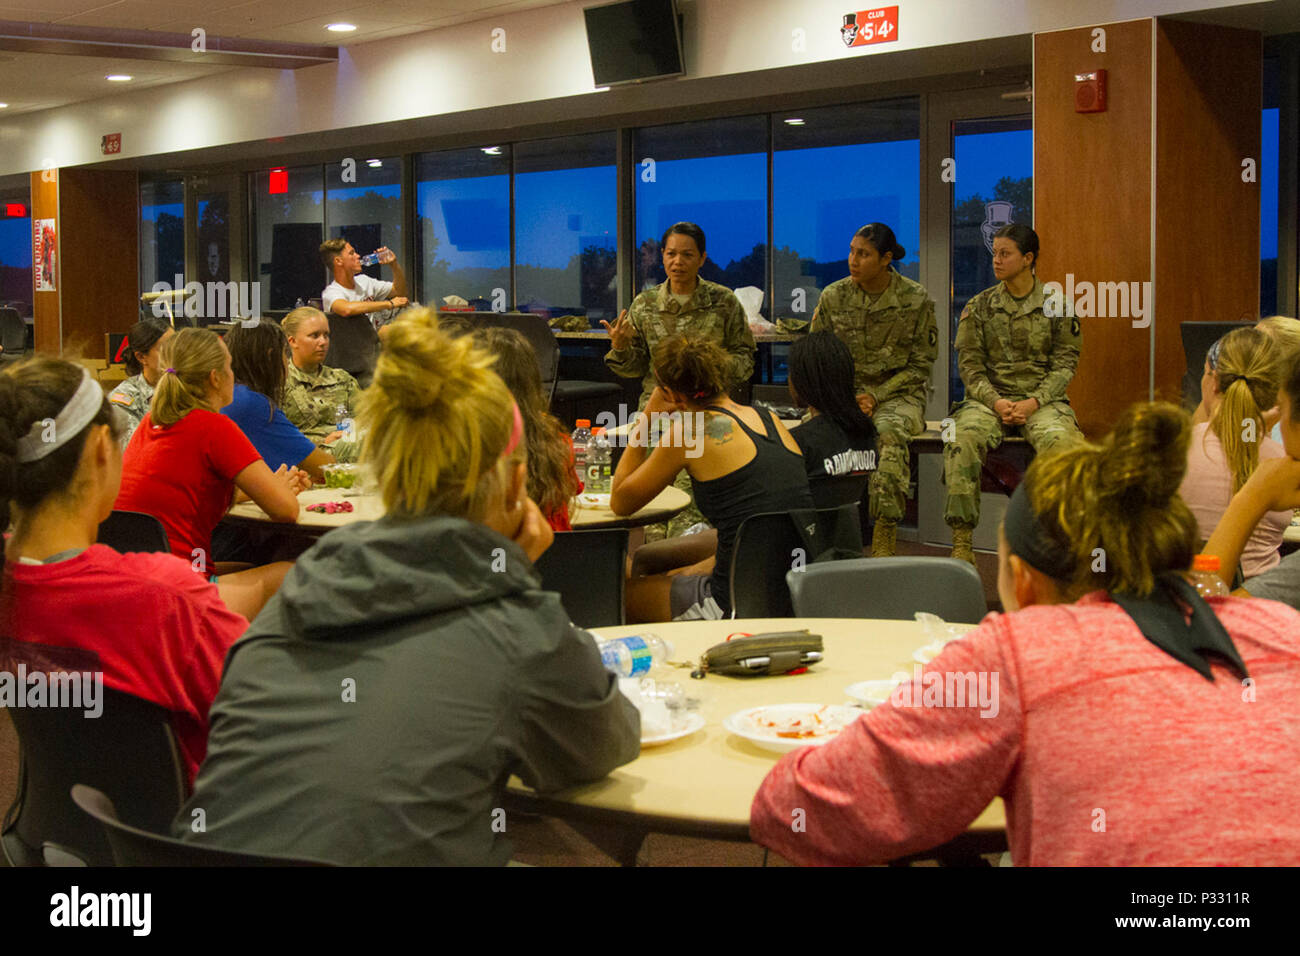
{"x": 354, "y": 346}
{"x": 768, "y": 545}
{"x": 13, "y": 334}
{"x": 835, "y": 490}
{"x": 132, "y": 846}
{"x": 586, "y": 569}
{"x": 129, "y": 752}
{"x": 890, "y": 589}
{"x": 133, "y": 531}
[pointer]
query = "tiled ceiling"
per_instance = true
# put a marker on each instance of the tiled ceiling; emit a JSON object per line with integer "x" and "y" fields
{"x": 35, "y": 81}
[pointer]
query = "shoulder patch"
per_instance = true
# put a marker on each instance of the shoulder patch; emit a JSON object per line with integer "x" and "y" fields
{"x": 120, "y": 398}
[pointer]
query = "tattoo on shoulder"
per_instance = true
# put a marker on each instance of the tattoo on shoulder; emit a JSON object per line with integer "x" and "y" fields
{"x": 718, "y": 427}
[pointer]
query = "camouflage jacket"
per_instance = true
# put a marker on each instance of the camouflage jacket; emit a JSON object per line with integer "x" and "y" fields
{"x": 311, "y": 402}
{"x": 132, "y": 396}
{"x": 1011, "y": 349}
{"x": 894, "y": 340}
{"x": 712, "y": 311}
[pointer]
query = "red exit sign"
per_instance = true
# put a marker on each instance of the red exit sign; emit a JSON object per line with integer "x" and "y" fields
{"x": 112, "y": 143}
{"x": 870, "y": 26}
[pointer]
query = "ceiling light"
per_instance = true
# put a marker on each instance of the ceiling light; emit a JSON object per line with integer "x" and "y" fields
{"x": 341, "y": 27}
{"x": 794, "y": 121}
{"x": 4, "y": 106}
{"x": 119, "y": 77}
{"x": 374, "y": 163}
{"x": 492, "y": 150}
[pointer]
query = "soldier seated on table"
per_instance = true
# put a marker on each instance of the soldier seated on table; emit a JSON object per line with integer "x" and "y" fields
{"x": 318, "y": 398}
{"x": 683, "y": 304}
{"x": 410, "y": 665}
{"x": 1016, "y": 361}
{"x": 887, "y": 322}
{"x": 747, "y": 464}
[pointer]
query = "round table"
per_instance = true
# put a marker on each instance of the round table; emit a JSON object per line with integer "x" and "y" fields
{"x": 702, "y": 785}
{"x": 368, "y": 507}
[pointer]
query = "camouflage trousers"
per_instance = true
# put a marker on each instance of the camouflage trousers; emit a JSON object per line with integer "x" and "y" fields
{"x": 897, "y": 420}
{"x": 978, "y": 430}
{"x": 678, "y": 524}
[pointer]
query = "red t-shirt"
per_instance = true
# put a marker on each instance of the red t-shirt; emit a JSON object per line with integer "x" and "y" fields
{"x": 184, "y": 475}
{"x": 166, "y": 646}
{"x": 1106, "y": 750}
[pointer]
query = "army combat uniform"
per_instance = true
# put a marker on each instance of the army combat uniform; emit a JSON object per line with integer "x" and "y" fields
{"x": 133, "y": 397}
{"x": 311, "y": 402}
{"x": 1007, "y": 348}
{"x": 711, "y": 312}
{"x": 893, "y": 341}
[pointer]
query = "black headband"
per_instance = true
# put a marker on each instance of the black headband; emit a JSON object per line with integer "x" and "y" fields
{"x": 1027, "y": 538}
{"x": 1159, "y": 616}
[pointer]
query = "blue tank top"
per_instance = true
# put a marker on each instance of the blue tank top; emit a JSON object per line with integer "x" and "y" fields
{"x": 774, "y": 480}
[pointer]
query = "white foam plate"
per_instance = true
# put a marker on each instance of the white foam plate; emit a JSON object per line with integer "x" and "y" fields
{"x": 586, "y": 500}
{"x": 871, "y": 693}
{"x": 690, "y": 725}
{"x": 754, "y": 724}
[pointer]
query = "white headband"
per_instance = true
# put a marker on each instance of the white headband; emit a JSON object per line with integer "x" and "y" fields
{"x": 76, "y": 415}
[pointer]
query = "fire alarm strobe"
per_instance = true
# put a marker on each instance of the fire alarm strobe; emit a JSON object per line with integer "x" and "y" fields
{"x": 1090, "y": 92}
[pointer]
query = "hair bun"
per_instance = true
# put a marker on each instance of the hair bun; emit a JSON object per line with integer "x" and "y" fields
{"x": 1144, "y": 458}
{"x": 899, "y": 252}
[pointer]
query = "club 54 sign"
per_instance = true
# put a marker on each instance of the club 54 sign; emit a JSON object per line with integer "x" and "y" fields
{"x": 870, "y": 26}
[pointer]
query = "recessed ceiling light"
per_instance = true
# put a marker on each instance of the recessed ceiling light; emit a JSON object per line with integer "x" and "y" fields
{"x": 341, "y": 27}
{"x": 794, "y": 121}
{"x": 119, "y": 77}
{"x": 492, "y": 150}
{"x": 374, "y": 163}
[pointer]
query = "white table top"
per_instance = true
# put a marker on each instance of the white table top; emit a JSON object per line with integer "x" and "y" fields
{"x": 710, "y": 777}
{"x": 369, "y": 507}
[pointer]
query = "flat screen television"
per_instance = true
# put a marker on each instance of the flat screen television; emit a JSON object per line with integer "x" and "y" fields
{"x": 634, "y": 41}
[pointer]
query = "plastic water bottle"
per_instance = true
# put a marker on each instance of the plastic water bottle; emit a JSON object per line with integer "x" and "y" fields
{"x": 1205, "y": 578}
{"x": 599, "y": 476}
{"x": 633, "y": 656}
{"x": 344, "y": 423}
{"x": 581, "y": 441}
{"x": 370, "y": 260}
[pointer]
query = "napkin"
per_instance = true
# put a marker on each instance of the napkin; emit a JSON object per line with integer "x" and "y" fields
{"x": 751, "y": 300}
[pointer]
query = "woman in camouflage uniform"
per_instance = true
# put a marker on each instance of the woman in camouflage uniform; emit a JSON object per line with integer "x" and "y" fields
{"x": 887, "y": 321}
{"x": 316, "y": 397}
{"x": 1016, "y": 359}
{"x": 140, "y": 350}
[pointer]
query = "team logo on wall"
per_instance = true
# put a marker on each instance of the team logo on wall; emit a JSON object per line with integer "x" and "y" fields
{"x": 870, "y": 26}
{"x": 996, "y": 215}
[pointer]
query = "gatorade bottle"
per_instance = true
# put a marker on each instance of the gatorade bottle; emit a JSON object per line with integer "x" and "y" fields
{"x": 599, "y": 472}
{"x": 581, "y": 441}
{"x": 633, "y": 656}
{"x": 1205, "y": 576}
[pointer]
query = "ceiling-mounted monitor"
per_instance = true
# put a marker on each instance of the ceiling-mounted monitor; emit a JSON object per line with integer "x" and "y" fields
{"x": 634, "y": 41}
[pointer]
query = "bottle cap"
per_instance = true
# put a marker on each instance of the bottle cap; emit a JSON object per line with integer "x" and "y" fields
{"x": 1206, "y": 562}
{"x": 584, "y": 423}
{"x": 599, "y": 431}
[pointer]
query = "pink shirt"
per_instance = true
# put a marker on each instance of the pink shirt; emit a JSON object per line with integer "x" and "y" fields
{"x": 1107, "y": 751}
{"x": 1207, "y": 489}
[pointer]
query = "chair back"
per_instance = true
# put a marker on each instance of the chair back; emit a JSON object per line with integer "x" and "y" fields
{"x": 132, "y": 846}
{"x": 586, "y": 568}
{"x": 539, "y": 335}
{"x": 892, "y": 589}
{"x": 835, "y": 490}
{"x": 129, "y": 532}
{"x": 768, "y": 545}
{"x": 354, "y": 345}
{"x": 13, "y": 331}
{"x": 129, "y": 751}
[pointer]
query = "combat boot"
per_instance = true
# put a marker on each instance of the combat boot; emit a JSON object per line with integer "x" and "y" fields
{"x": 962, "y": 548}
{"x": 884, "y": 539}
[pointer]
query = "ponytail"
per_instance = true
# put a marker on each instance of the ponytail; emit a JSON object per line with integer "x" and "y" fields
{"x": 188, "y": 358}
{"x": 1246, "y": 372}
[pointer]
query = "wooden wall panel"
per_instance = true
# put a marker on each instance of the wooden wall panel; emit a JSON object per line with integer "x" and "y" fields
{"x": 98, "y": 235}
{"x": 1092, "y": 200}
{"x": 45, "y": 305}
{"x": 1208, "y": 102}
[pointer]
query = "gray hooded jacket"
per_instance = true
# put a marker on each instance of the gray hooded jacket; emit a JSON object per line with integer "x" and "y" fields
{"x": 377, "y": 706}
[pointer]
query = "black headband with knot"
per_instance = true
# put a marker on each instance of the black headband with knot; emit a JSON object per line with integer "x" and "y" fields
{"x": 1159, "y": 616}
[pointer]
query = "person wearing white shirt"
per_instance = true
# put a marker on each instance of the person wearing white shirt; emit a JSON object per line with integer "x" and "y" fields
{"x": 358, "y": 306}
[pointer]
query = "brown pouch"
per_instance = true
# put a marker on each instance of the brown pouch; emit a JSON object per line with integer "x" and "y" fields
{"x": 776, "y": 652}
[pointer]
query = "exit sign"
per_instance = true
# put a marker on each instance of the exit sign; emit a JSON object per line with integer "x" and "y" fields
{"x": 111, "y": 143}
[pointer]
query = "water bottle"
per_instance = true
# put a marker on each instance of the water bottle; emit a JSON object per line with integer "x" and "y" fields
{"x": 370, "y": 260}
{"x": 581, "y": 439}
{"x": 633, "y": 656}
{"x": 299, "y": 304}
{"x": 599, "y": 477}
{"x": 1205, "y": 578}
{"x": 344, "y": 423}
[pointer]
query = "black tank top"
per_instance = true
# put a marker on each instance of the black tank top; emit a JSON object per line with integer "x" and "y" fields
{"x": 774, "y": 480}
